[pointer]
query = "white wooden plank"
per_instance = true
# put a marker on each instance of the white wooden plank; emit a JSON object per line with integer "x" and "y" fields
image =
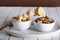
{"x": 30, "y": 38}
{"x": 6, "y": 11}
{"x": 50, "y": 36}
{"x": 52, "y": 12}
{"x": 2, "y": 8}
{"x": 58, "y": 10}
{"x": 45, "y": 37}
{"x": 32, "y": 8}
{"x": 24, "y": 9}
{"x": 55, "y": 36}
{"x": 59, "y": 35}
{"x": 15, "y": 38}
{"x": 46, "y": 11}
{"x": 15, "y": 11}
{"x": 3, "y": 37}
{"x": 3, "y": 15}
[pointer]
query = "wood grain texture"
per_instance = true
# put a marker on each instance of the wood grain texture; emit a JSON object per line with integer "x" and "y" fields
{"x": 3, "y": 15}
{"x": 24, "y": 10}
{"x": 29, "y": 2}
{"x": 45, "y": 37}
{"x": 15, "y": 38}
{"x": 15, "y": 11}
{"x": 3, "y": 37}
{"x": 58, "y": 11}
{"x": 30, "y": 38}
{"x": 46, "y": 11}
{"x": 52, "y": 12}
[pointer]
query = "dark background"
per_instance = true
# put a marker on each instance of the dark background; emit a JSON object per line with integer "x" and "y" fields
{"x": 29, "y": 2}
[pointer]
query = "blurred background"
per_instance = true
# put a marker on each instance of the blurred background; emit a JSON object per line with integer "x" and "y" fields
{"x": 29, "y": 2}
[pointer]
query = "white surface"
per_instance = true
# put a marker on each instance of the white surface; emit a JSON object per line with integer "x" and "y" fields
{"x": 3, "y": 16}
{"x": 53, "y": 12}
{"x": 3, "y": 37}
{"x": 15, "y": 38}
{"x": 32, "y": 32}
{"x": 30, "y": 38}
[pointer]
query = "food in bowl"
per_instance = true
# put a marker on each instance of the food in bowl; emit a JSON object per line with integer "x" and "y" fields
{"x": 39, "y": 11}
{"x": 44, "y": 24}
{"x": 44, "y": 20}
{"x": 21, "y": 18}
{"x": 30, "y": 13}
{"x": 21, "y": 22}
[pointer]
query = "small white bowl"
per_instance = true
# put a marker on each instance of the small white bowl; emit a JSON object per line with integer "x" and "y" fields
{"x": 44, "y": 27}
{"x": 22, "y": 25}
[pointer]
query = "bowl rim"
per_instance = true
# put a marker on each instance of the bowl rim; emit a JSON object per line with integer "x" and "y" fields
{"x": 22, "y": 21}
{"x": 45, "y": 23}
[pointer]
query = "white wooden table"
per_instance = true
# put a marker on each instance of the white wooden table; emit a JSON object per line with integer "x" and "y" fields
{"x": 6, "y": 13}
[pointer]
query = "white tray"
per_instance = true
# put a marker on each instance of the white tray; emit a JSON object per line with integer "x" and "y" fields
{"x": 32, "y": 32}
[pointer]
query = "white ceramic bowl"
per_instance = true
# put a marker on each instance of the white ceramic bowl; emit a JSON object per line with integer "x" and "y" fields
{"x": 22, "y": 25}
{"x": 44, "y": 27}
